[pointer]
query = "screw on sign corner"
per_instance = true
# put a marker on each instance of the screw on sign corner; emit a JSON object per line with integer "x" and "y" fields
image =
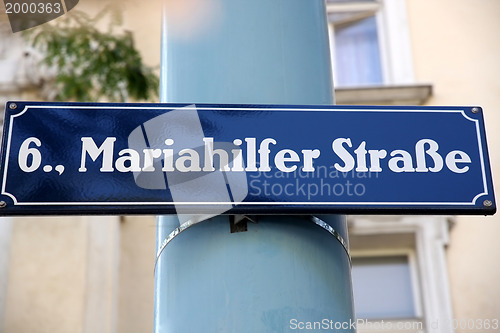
{"x": 26, "y": 14}
{"x": 488, "y": 203}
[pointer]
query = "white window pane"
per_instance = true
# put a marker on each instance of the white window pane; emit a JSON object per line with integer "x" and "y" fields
{"x": 357, "y": 54}
{"x": 382, "y": 288}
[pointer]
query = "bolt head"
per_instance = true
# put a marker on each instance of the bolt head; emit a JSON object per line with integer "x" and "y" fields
{"x": 475, "y": 110}
{"x": 487, "y": 203}
{"x": 13, "y": 106}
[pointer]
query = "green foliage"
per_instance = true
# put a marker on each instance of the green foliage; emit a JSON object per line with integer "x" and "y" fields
{"x": 91, "y": 65}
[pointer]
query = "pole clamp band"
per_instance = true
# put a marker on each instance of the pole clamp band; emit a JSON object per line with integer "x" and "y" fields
{"x": 333, "y": 232}
{"x": 192, "y": 222}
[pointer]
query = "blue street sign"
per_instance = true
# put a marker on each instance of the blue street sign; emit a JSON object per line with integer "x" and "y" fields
{"x": 84, "y": 158}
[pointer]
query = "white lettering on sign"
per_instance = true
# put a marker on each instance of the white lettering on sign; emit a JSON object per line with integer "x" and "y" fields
{"x": 262, "y": 156}
{"x": 106, "y": 149}
{"x": 29, "y": 153}
{"x": 426, "y": 158}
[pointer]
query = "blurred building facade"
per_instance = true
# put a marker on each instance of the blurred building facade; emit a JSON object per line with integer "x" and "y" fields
{"x": 411, "y": 273}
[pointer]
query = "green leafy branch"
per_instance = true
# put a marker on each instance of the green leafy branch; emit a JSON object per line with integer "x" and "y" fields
{"x": 91, "y": 65}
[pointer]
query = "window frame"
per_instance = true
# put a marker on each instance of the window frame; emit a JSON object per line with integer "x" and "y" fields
{"x": 393, "y": 35}
{"x": 414, "y": 276}
{"x": 379, "y": 234}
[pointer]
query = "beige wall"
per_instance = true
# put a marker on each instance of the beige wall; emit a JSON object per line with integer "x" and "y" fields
{"x": 456, "y": 47}
{"x": 47, "y": 276}
{"x": 80, "y": 274}
{"x": 84, "y": 274}
{"x": 136, "y": 299}
{"x": 63, "y": 275}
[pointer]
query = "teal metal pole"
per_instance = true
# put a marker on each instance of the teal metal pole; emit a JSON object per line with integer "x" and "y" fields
{"x": 284, "y": 272}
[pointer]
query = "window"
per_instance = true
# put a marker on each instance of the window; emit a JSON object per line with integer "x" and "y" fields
{"x": 388, "y": 278}
{"x": 370, "y": 42}
{"x": 399, "y": 273}
{"x": 354, "y": 36}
